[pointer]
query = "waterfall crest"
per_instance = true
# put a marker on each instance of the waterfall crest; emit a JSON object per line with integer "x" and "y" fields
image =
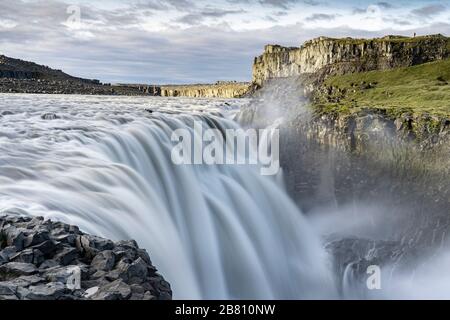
{"x": 215, "y": 232}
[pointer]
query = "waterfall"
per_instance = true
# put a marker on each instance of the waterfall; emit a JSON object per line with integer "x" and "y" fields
{"x": 216, "y": 232}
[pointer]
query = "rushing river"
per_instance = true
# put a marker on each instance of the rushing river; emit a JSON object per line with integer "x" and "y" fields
{"x": 103, "y": 163}
{"x": 214, "y": 231}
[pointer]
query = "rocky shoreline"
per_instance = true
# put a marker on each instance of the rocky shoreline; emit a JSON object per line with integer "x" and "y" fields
{"x": 45, "y": 260}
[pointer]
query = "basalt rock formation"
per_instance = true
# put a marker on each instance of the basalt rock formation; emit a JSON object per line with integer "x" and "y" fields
{"x": 292, "y": 83}
{"x": 45, "y": 260}
{"x": 370, "y": 148}
{"x": 338, "y": 152}
{"x": 328, "y": 56}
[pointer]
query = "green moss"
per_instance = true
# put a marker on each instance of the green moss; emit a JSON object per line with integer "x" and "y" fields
{"x": 419, "y": 89}
{"x": 398, "y": 111}
{"x": 331, "y": 108}
{"x": 392, "y": 39}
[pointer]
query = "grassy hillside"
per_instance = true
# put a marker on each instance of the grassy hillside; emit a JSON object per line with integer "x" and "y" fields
{"x": 419, "y": 89}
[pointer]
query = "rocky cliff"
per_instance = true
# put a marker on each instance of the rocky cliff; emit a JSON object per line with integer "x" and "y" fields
{"x": 365, "y": 139}
{"x": 363, "y": 119}
{"x": 340, "y": 56}
{"x": 218, "y": 90}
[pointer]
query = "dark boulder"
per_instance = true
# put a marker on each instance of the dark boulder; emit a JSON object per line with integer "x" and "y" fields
{"x": 117, "y": 290}
{"x": 50, "y": 116}
{"x": 14, "y": 237}
{"x": 66, "y": 256}
{"x": 104, "y": 261}
{"x": 16, "y": 269}
{"x": 33, "y": 256}
{"x": 48, "y": 291}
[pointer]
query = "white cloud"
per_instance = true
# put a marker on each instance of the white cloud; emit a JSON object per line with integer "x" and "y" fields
{"x": 7, "y": 24}
{"x": 145, "y": 41}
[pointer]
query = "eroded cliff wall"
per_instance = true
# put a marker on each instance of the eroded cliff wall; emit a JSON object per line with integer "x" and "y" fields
{"x": 218, "y": 90}
{"x": 362, "y": 148}
{"x": 340, "y": 56}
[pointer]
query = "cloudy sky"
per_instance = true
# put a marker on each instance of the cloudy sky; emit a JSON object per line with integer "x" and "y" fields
{"x": 192, "y": 41}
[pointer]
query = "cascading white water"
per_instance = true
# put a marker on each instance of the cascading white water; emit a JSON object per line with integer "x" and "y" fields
{"x": 104, "y": 164}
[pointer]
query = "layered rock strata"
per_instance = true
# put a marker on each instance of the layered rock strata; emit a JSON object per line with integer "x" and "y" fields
{"x": 340, "y": 56}
{"x": 218, "y": 90}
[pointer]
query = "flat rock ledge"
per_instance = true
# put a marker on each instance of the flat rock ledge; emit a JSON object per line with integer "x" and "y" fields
{"x": 45, "y": 260}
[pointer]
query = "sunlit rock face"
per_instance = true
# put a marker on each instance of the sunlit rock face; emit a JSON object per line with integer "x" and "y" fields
{"x": 347, "y": 144}
{"x": 341, "y": 56}
{"x": 217, "y": 90}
